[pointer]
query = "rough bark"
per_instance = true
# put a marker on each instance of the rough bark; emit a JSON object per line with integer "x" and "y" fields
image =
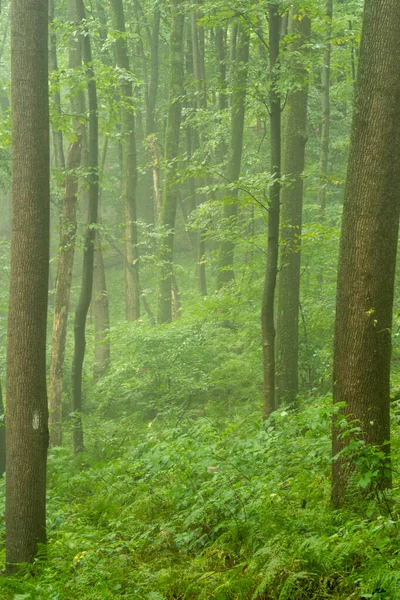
{"x": 226, "y": 254}
{"x": 168, "y": 211}
{"x": 129, "y": 168}
{"x": 362, "y": 343}
{"x": 27, "y": 414}
{"x": 267, "y": 308}
{"x": 88, "y": 254}
{"x": 293, "y": 159}
{"x": 325, "y": 120}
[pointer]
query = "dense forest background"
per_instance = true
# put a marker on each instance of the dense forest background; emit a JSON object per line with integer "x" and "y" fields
{"x": 190, "y": 447}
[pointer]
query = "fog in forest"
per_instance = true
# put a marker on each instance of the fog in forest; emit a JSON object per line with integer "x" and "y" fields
{"x": 199, "y": 303}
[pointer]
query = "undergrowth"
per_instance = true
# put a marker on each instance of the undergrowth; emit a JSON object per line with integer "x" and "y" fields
{"x": 181, "y": 507}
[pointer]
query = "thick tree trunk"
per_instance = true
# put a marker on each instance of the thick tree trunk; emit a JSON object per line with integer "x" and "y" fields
{"x": 267, "y": 309}
{"x": 27, "y": 414}
{"x": 66, "y": 255}
{"x": 226, "y": 254}
{"x": 295, "y": 138}
{"x": 88, "y": 254}
{"x": 168, "y": 211}
{"x": 325, "y": 122}
{"x": 362, "y": 346}
{"x": 129, "y": 169}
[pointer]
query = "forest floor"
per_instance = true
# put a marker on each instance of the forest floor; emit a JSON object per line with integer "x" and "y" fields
{"x": 187, "y": 507}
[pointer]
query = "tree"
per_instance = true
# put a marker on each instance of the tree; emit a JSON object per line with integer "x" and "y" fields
{"x": 27, "y": 415}
{"x": 226, "y": 254}
{"x": 293, "y": 159}
{"x": 168, "y": 211}
{"x": 325, "y": 98}
{"x": 66, "y": 249}
{"x": 90, "y": 236}
{"x": 129, "y": 170}
{"x": 362, "y": 344}
{"x": 267, "y": 307}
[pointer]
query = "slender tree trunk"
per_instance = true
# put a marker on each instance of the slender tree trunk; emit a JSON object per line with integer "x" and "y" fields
{"x": 199, "y": 75}
{"x": 63, "y": 290}
{"x": 154, "y": 183}
{"x": 27, "y": 414}
{"x": 226, "y": 255}
{"x": 2, "y": 435}
{"x": 129, "y": 170}
{"x": 56, "y": 98}
{"x": 295, "y": 138}
{"x": 362, "y": 345}
{"x": 325, "y": 91}
{"x": 168, "y": 211}
{"x": 222, "y": 95}
{"x": 102, "y": 349}
{"x": 88, "y": 255}
{"x": 66, "y": 255}
{"x": 267, "y": 309}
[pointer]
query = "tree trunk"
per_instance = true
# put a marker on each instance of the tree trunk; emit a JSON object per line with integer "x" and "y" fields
{"x": 129, "y": 170}
{"x": 226, "y": 255}
{"x": 325, "y": 91}
{"x": 66, "y": 255}
{"x": 168, "y": 211}
{"x": 295, "y": 138}
{"x": 27, "y": 414}
{"x": 267, "y": 309}
{"x": 2, "y": 435}
{"x": 56, "y": 98}
{"x": 199, "y": 76}
{"x": 102, "y": 350}
{"x": 362, "y": 344}
{"x": 88, "y": 253}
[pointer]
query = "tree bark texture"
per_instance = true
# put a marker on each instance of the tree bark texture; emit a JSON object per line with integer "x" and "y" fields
{"x": 267, "y": 308}
{"x": 27, "y": 414}
{"x": 226, "y": 254}
{"x": 168, "y": 211}
{"x": 90, "y": 234}
{"x": 291, "y": 197}
{"x": 362, "y": 344}
{"x": 129, "y": 169}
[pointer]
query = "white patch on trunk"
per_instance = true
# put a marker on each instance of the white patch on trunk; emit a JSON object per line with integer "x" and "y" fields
{"x": 35, "y": 420}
